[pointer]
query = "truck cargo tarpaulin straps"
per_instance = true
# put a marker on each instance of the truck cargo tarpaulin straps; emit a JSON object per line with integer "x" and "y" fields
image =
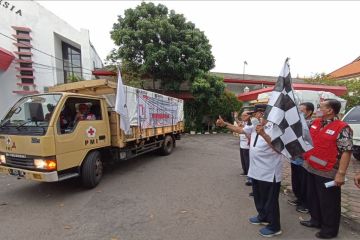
{"x": 120, "y": 105}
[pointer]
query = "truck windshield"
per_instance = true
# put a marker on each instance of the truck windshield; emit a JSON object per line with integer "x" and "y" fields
{"x": 353, "y": 117}
{"x": 30, "y": 115}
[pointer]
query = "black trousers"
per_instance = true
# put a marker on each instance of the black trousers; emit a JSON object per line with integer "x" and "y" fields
{"x": 245, "y": 160}
{"x": 299, "y": 183}
{"x": 324, "y": 204}
{"x": 266, "y": 198}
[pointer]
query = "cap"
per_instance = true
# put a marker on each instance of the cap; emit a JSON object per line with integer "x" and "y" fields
{"x": 259, "y": 108}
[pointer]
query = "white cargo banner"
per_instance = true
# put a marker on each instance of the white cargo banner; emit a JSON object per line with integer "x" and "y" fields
{"x": 148, "y": 109}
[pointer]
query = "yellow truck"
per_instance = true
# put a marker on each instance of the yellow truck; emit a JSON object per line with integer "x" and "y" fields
{"x": 73, "y": 130}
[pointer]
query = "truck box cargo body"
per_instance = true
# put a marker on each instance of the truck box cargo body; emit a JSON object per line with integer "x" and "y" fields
{"x": 167, "y": 115}
{"x": 72, "y": 130}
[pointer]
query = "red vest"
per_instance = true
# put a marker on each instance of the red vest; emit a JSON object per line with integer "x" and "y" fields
{"x": 323, "y": 156}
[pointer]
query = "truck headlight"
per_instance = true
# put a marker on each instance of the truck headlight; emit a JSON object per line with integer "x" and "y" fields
{"x": 2, "y": 159}
{"x": 47, "y": 164}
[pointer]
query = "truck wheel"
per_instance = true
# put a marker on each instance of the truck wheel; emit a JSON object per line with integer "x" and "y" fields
{"x": 92, "y": 170}
{"x": 167, "y": 146}
{"x": 357, "y": 155}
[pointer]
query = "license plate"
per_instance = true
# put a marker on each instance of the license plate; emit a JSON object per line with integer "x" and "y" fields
{"x": 17, "y": 173}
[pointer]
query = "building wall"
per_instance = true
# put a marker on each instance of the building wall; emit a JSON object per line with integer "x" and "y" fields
{"x": 47, "y": 32}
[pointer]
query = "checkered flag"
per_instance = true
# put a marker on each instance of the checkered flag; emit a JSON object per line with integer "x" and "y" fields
{"x": 290, "y": 133}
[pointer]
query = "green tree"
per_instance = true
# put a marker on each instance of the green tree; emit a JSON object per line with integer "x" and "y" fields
{"x": 227, "y": 103}
{"x": 129, "y": 77}
{"x": 211, "y": 100}
{"x": 161, "y": 45}
{"x": 321, "y": 78}
{"x": 207, "y": 88}
{"x": 353, "y": 94}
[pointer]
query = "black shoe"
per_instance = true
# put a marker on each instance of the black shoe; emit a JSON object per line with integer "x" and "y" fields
{"x": 248, "y": 183}
{"x": 294, "y": 202}
{"x": 309, "y": 224}
{"x": 324, "y": 236}
{"x": 302, "y": 209}
{"x": 251, "y": 194}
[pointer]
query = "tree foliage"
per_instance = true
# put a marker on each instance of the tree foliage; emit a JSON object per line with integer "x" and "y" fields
{"x": 353, "y": 94}
{"x": 129, "y": 77}
{"x": 207, "y": 88}
{"x": 211, "y": 100}
{"x": 161, "y": 45}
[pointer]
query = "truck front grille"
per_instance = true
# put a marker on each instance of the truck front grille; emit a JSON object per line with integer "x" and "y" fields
{"x": 20, "y": 162}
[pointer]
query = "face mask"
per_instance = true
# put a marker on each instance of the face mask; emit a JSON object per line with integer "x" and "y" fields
{"x": 305, "y": 116}
{"x": 319, "y": 113}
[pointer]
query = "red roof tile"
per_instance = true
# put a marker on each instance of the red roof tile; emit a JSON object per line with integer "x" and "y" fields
{"x": 350, "y": 70}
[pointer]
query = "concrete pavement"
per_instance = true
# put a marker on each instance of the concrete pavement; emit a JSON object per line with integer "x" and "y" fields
{"x": 196, "y": 193}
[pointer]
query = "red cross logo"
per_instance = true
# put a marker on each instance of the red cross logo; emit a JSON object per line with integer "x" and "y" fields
{"x": 91, "y": 131}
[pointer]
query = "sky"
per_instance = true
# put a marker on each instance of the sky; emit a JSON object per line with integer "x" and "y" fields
{"x": 318, "y": 37}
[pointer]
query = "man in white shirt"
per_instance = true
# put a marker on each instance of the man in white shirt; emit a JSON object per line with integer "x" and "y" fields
{"x": 245, "y": 144}
{"x": 265, "y": 170}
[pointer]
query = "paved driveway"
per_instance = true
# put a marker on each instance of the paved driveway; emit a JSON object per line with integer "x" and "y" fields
{"x": 196, "y": 193}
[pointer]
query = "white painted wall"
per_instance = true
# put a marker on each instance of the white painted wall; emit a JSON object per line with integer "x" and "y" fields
{"x": 47, "y": 31}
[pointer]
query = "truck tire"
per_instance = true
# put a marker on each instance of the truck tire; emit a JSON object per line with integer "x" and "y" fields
{"x": 168, "y": 146}
{"x": 92, "y": 170}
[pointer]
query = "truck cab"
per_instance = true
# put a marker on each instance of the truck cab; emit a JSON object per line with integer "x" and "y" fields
{"x": 54, "y": 136}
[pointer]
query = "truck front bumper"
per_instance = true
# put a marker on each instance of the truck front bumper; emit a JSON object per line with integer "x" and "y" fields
{"x": 31, "y": 175}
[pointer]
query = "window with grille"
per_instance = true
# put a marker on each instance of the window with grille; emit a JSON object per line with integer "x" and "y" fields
{"x": 71, "y": 62}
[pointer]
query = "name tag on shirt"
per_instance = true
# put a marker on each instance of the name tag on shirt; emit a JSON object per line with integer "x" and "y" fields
{"x": 330, "y": 132}
{"x": 313, "y": 127}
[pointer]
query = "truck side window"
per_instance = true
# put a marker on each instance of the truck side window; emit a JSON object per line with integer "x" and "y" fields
{"x": 78, "y": 109}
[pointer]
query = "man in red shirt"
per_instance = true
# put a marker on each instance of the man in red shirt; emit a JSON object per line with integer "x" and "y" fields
{"x": 326, "y": 162}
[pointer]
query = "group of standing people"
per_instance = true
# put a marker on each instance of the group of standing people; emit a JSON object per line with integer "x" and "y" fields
{"x": 265, "y": 168}
{"x": 326, "y": 162}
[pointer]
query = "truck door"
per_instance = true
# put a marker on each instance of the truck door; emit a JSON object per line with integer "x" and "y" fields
{"x": 82, "y": 125}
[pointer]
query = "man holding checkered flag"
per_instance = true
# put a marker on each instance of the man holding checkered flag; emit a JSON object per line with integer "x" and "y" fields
{"x": 290, "y": 134}
{"x": 279, "y": 132}
{"x": 326, "y": 148}
{"x": 282, "y": 132}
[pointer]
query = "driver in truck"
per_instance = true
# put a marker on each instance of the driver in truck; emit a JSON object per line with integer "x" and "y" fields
{"x": 84, "y": 113}
{"x": 50, "y": 108}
